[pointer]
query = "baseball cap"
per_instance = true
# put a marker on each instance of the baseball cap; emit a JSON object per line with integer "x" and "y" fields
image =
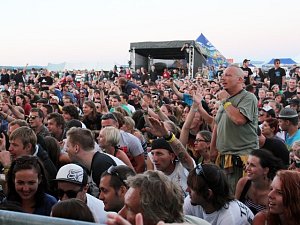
{"x": 246, "y": 60}
{"x": 55, "y": 98}
{"x": 287, "y": 113}
{"x": 269, "y": 110}
{"x": 72, "y": 173}
{"x": 161, "y": 143}
{"x": 42, "y": 100}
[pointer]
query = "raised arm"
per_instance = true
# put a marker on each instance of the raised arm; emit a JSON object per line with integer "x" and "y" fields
{"x": 158, "y": 129}
{"x": 171, "y": 84}
{"x": 103, "y": 102}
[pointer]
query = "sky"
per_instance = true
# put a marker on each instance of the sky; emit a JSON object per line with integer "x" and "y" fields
{"x": 39, "y": 32}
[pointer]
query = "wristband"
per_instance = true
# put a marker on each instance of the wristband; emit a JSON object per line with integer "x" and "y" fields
{"x": 172, "y": 138}
{"x": 225, "y": 106}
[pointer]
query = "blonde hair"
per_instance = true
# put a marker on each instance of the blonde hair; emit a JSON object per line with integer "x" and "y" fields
{"x": 112, "y": 135}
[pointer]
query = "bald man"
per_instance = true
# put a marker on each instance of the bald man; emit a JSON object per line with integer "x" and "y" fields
{"x": 235, "y": 133}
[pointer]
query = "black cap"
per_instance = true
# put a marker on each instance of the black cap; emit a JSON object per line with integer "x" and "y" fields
{"x": 161, "y": 144}
{"x": 246, "y": 60}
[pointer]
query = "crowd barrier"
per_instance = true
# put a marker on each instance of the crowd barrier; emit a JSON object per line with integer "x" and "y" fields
{"x": 17, "y": 218}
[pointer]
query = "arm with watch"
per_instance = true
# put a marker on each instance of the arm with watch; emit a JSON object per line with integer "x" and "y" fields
{"x": 158, "y": 129}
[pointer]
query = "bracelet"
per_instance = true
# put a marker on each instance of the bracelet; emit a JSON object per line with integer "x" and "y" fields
{"x": 169, "y": 136}
{"x": 5, "y": 170}
{"x": 156, "y": 110}
{"x": 172, "y": 138}
{"x": 225, "y": 106}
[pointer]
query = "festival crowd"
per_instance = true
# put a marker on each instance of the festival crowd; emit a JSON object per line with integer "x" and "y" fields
{"x": 143, "y": 148}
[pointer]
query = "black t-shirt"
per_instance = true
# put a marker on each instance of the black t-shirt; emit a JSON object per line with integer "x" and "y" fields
{"x": 45, "y": 81}
{"x": 288, "y": 95}
{"x": 100, "y": 163}
{"x": 4, "y": 78}
{"x": 275, "y": 76}
{"x": 248, "y": 72}
{"x": 278, "y": 148}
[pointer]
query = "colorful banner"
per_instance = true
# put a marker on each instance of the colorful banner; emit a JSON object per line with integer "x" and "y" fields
{"x": 213, "y": 55}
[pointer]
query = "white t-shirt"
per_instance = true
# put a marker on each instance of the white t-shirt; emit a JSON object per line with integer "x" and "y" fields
{"x": 117, "y": 160}
{"x": 236, "y": 213}
{"x": 97, "y": 208}
{"x": 179, "y": 175}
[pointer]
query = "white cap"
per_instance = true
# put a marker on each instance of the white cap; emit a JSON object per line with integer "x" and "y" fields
{"x": 55, "y": 97}
{"x": 71, "y": 173}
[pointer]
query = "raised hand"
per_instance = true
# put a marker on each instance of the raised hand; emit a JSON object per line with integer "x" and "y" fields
{"x": 157, "y": 128}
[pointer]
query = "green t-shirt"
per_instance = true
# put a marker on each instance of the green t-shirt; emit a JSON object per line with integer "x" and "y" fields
{"x": 231, "y": 138}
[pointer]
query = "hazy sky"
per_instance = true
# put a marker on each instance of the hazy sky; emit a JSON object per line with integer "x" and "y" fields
{"x": 82, "y": 31}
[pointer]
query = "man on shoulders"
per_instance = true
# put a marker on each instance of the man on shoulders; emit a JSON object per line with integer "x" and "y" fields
{"x": 247, "y": 71}
{"x": 277, "y": 74}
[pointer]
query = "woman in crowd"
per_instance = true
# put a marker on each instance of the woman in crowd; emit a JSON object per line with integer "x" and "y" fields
{"x": 73, "y": 209}
{"x": 108, "y": 140}
{"x": 253, "y": 189}
{"x": 283, "y": 200}
{"x": 270, "y": 128}
{"x": 91, "y": 118}
{"x": 201, "y": 150}
{"x": 20, "y": 101}
{"x": 27, "y": 184}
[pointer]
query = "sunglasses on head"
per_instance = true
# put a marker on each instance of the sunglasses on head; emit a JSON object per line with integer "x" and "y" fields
{"x": 69, "y": 193}
{"x": 112, "y": 171}
{"x": 109, "y": 116}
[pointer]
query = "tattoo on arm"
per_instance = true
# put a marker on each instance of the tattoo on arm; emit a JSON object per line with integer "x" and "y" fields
{"x": 181, "y": 153}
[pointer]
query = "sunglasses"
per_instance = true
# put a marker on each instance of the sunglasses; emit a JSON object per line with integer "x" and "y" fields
{"x": 32, "y": 117}
{"x": 112, "y": 171}
{"x": 69, "y": 193}
{"x": 212, "y": 181}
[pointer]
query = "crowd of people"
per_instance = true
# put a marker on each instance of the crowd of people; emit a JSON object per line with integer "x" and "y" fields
{"x": 143, "y": 148}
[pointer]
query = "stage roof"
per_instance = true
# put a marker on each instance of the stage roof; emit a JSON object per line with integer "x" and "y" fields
{"x": 161, "y": 49}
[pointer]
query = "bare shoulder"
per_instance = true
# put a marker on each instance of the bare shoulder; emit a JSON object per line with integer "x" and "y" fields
{"x": 260, "y": 218}
{"x": 240, "y": 186}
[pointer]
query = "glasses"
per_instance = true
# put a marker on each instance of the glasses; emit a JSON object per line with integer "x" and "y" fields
{"x": 69, "y": 193}
{"x": 199, "y": 140}
{"x": 109, "y": 116}
{"x": 277, "y": 63}
{"x": 112, "y": 171}
{"x": 32, "y": 117}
